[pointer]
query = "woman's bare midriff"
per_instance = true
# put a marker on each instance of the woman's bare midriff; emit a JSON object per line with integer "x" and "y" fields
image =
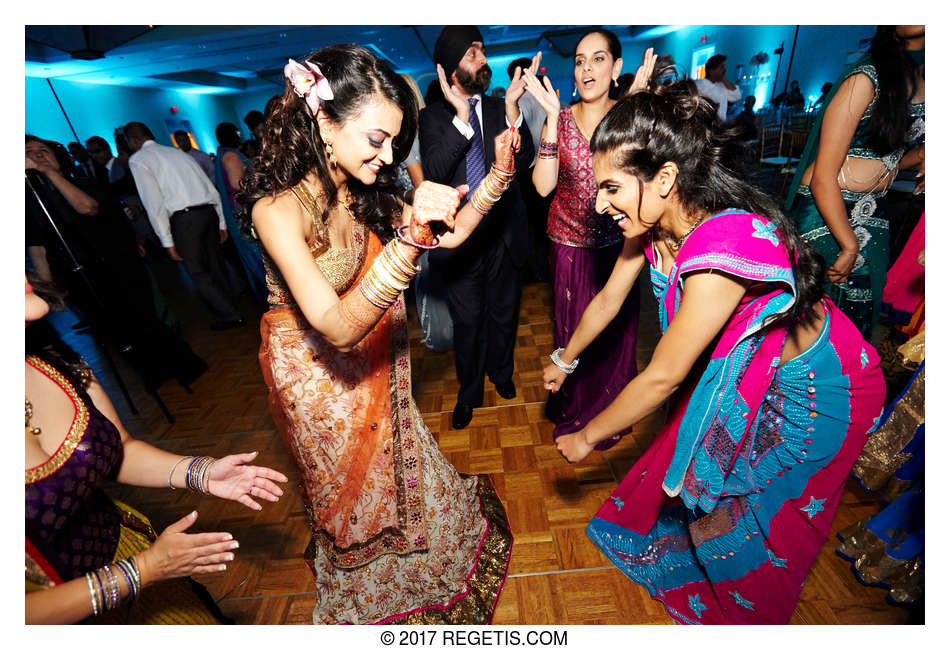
{"x": 859, "y": 175}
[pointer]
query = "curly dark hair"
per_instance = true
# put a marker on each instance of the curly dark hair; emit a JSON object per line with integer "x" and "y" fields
{"x": 674, "y": 123}
{"x": 896, "y": 72}
{"x": 292, "y": 146}
{"x": 43, "y": 341}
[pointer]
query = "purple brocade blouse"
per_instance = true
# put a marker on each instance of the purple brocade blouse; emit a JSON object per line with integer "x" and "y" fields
{"x": 572, "y": 218}
{"x": 69, "y": 519}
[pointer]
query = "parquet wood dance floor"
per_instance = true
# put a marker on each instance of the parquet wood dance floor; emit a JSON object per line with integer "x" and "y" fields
{"x": 557, "y": 576}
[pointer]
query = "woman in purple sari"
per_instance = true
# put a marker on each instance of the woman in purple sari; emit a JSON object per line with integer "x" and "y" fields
{"x": 772, "y": 389}
{"x": 584, "y": 244}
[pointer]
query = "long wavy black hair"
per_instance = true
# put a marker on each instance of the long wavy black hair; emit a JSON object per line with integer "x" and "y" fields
{"x": 292, "y": 146}
{"x": 897, "y": 82}
{"x": 674, "y": 123}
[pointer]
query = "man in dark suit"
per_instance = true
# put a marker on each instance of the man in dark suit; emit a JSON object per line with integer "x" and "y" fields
{"x": 482, "y": 276}
{"x": 86, "y": 166}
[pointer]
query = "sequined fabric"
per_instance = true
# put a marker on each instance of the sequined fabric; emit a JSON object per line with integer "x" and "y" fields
{"x": 338, "y": 265}
{"x": 572, "y": 219}
{"x": 887, "y": 549}
{"x": 883, "y": 453}
{"x": 903, "y": 578}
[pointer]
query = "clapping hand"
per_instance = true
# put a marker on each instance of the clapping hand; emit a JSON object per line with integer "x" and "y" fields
{"x": 453, "y": 95}
{"x": 517, "y": 86}
{"x": 546, "y": 96}
{"x": 644, "y": 72}
{"x": 232, "y": 478}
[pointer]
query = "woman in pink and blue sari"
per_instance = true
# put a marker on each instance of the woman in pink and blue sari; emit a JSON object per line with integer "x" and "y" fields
{"x": 772, "y": 389}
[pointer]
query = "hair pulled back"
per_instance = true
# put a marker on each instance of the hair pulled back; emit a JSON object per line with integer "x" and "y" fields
{"x": 896, "y": 73}
{"x": 674, "y": 123}
{"x": 292, "y": 147}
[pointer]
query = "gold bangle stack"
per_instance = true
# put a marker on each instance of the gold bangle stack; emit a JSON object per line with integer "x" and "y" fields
{"x": 490, "y": 190}
{"x": 388, "y": 277}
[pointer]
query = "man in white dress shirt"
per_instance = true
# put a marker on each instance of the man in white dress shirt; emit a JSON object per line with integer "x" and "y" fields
{"x": 184, "y": 208}
{"x": 716, "y": 87}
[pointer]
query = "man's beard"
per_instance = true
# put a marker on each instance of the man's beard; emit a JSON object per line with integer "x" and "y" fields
{"x": 474, "y": 85}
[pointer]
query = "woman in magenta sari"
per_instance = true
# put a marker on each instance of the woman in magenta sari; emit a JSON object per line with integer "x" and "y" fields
{"x": 772, "y": 388}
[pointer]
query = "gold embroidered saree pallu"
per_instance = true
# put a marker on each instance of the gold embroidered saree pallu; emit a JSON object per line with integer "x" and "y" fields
{"x": 398, "y": 534}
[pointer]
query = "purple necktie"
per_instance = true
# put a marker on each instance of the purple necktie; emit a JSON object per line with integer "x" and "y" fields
{"x": 475, "y": 158}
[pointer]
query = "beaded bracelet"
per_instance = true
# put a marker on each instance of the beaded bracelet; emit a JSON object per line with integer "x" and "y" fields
{"x": 113, "y": 593}
{"x": 547, "y": 145}
{"x": 403, "y": 235}
{"x": 563, "y": 367}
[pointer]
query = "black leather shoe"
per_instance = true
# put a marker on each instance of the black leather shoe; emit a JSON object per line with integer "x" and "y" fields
{"x": 221, "y": 325}
{"x": 506, "y": 389}
{"x": 461, "y": 416}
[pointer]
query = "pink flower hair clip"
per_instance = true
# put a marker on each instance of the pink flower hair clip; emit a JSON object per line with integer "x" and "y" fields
{"x": 308, "y": 83}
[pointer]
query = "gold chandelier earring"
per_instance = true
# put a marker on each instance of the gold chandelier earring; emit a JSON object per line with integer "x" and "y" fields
{"x": 331, "y": 159}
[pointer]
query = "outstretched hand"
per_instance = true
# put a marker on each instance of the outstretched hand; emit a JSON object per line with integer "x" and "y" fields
{"x": 232, "y": 478}
{"x": 507, "y": 144}
{"x": 644, "y": 72}
{"x": 177, "y": 554}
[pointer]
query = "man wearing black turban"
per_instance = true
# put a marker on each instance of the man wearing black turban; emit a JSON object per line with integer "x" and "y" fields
{"x": 482, "y": 276}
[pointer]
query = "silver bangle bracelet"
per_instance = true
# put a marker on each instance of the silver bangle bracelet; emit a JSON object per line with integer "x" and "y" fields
{"x": 564, "y": 367}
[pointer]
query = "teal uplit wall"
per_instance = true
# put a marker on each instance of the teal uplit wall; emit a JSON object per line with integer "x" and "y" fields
{"x": 98, "y": 109}
{"x": 820, "y": 55}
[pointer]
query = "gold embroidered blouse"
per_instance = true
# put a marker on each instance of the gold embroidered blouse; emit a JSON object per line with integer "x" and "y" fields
{"x": 339, "y": 266}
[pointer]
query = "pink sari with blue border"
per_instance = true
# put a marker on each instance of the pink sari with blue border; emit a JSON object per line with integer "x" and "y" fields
{"x": 723, "y": 516}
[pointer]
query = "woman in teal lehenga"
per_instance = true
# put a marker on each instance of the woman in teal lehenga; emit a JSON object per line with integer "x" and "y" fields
{"x": 871, "y": 128}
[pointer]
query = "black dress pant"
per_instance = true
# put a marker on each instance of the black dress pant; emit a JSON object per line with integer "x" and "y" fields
{"x": 484, "y": 295}
{"x": 198, "y": 242}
